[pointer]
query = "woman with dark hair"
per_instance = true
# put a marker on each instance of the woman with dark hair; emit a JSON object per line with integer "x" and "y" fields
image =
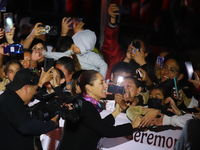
{"x": 87, "y": 131}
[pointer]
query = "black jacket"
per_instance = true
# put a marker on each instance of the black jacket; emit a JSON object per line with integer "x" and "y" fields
{"x": 17, "y": 128}
{"x": 86, "y": 133}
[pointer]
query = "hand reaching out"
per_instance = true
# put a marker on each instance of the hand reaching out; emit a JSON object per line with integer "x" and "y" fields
{"x": 117, "y": 111}
{"x": 158, "y": 121}
{"x": 197, "y": 115}
{"x": 150, "y": 115}
{"x": 136, "y": 122}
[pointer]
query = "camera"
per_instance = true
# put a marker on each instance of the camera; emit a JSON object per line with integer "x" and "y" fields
{"x": 51, "y": 104}
{"x": 116, "y": 89}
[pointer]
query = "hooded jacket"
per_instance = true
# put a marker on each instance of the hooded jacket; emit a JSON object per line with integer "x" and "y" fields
{"x": 85, "y": 40}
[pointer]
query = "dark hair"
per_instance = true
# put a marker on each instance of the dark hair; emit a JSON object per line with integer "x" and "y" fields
{"x": 87, "y": 77}
{"x": 28, "y": 50}
{"x": 136, "y": 81}
{"x": 180, "y": 60}
{"x": 62, "y": 76}
{"x": 12, "y": 61}
{"x": 122, "y": 66}
{"x": 68, "y": 64}
{"x": 166, "y": 91}
{"x": 64, "y": 43}
{"x": 36, "y": 41}
{"x": 74, "y": 81}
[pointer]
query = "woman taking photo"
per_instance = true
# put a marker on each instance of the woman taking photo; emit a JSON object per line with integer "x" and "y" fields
{"x": 87, "y": 131}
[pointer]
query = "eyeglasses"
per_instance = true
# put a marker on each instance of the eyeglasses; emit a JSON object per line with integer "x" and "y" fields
{"x": 170, "y": 69}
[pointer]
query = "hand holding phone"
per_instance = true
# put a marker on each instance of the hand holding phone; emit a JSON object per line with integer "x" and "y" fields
{"x": 49, "y": 30}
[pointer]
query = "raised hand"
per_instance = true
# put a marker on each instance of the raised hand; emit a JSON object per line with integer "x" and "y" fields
{"x": 78, "y": 26}
{"x": 65, "y": 25}
{"x": 10, "y": 35}
{"x": 45, "y": 76}
{"x": 112, "y": 12}
{"x": 56, "y": 78}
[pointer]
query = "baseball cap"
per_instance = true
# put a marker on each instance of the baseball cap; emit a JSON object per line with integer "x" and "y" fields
{"x": 23, "y": 77}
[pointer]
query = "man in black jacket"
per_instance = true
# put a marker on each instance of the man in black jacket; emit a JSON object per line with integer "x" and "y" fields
{"x": 17, "y": 128}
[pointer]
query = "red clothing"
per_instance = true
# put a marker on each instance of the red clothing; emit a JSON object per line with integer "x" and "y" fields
{"x": 110, "y": 49}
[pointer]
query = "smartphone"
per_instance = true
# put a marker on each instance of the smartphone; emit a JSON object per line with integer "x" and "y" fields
{"x": 116, "y": 89}
{"x": 49, "y": 30}
{"x": 75, "y": 20}
{"x": 13, "y": 48}
{"x": 119, "y": 80}
{"x": 48, "y": 63}
{"x": 136, "y": 44}
{"x": 190, "y": 70}
{"x": 139, "y": 73}
{"x": 124, "y": 9}
{"x": 160, "y": 61}
{"x": 3, "y": 4}
{"x": 176, "y": 86}
{"x": 8, "y": 21}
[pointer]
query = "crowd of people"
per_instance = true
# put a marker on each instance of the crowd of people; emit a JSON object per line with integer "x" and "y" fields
{"x": 73, "y": 78}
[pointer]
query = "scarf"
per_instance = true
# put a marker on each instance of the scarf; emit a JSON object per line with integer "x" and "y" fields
{"x": 96, "y": 104}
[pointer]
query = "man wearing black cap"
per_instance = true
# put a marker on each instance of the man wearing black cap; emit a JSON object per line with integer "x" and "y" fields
{"x": 17, "y": 128}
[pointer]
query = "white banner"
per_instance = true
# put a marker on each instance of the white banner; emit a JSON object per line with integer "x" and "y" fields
{"x": 158, "y": 138}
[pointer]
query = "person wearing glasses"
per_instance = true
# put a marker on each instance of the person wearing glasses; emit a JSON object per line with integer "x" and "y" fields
{"x": 173, "y": 66}
{"x": 17, "y": 128}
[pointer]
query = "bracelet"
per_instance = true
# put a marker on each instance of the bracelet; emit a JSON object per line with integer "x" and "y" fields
{"x": 64, "y": 33}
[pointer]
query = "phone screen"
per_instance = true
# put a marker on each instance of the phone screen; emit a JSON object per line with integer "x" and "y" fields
{"x": 176, "y": 86}
{"x": 136, "y": 44}
{"x": 189, "y": 68}
{"x": 48, "y": 63}
{"x": 8, "y": 21}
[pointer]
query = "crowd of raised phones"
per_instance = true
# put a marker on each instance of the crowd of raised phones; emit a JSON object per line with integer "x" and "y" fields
{"x": 152, "y": 92}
